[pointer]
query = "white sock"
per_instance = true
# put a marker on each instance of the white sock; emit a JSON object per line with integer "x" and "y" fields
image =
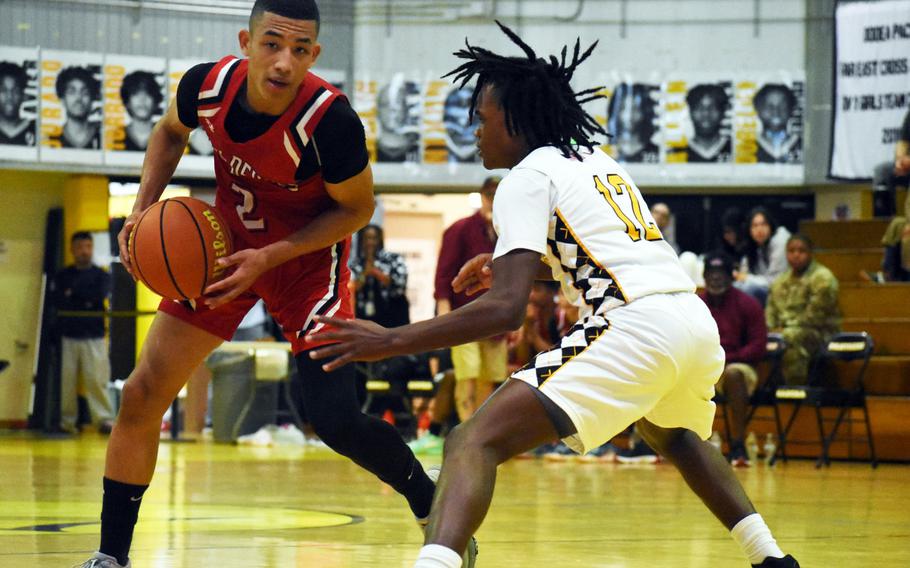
{"x": 754, "y": 537}
{"x": 437, "y": 556}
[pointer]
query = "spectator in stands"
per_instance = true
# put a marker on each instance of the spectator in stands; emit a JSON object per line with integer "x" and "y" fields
{"x": 888, "y": 175}
{"x": 540, "y": 328}
{"x": 802, "y": 306}
{"x": 663, "y": 217}
{"x": 477, "y": 365}
{"x": 765, "y": 255}
{"x": 744, "y": 337}
{"x": 380, "y": 280}
{"x": 731, "y": 241}
{"x": 83, "y": 287}
{"x": 440, "y": 408}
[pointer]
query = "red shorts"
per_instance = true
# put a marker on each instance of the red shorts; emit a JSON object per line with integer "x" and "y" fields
{"x": 294, "y": 293}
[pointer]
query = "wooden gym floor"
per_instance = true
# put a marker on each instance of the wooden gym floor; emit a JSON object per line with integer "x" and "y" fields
{"x": 229, "y": 506}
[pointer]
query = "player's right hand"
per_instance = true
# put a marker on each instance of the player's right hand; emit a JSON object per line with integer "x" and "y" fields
{"x": 123, "y": 239}
{"x": 475, "y": 275}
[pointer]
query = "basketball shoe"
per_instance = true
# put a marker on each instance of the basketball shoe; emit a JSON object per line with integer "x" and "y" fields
{"x": 785, "y": 562}
{"x": 101, "y": 560}
{"x": 470, "y": 554}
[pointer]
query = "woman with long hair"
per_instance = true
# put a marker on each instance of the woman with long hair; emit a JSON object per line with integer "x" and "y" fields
{"x": 764, "y": 256}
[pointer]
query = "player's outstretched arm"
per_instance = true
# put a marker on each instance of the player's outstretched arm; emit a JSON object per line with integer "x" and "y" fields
{"x": 499, "y": 310}
{"x": 166, "y": 145}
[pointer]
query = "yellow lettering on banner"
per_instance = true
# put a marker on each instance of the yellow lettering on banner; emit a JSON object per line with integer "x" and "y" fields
{"x": 114, "y": 113}
{"x": 675, "y": 107}
{"x": 51, "y": 113}
{"x": 676, "y": 87}
{"x": 681, "y": 143}
{"x": 50, "y": 65}
{"x": 746, "y": 146}
{"x": 50, "y": 135}
{"x": 677, "y": 158}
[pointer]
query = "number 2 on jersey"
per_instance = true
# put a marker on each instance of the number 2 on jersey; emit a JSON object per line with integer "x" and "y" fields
{"x": 248, "y": 206}
{"x": 635, "y": 231}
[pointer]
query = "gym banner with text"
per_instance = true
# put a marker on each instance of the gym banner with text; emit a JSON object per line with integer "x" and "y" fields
{"x": 872, "y": 85}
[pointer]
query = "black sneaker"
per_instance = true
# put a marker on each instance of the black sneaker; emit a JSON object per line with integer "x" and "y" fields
{"x": 738, "y": 456}
{"x": 785, "y": 562}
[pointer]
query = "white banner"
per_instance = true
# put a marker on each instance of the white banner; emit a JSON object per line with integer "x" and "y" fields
{"x": 71, "y": 107}
{"x": 135, "y": 91}
{"x": 872, "y": 85}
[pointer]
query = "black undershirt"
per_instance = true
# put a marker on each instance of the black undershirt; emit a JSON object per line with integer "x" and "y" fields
{"x": 339, "y": 136}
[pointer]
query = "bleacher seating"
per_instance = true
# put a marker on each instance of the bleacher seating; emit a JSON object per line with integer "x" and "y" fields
{"x": 882, "y": 310}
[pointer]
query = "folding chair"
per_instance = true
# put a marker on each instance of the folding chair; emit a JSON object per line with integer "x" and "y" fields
{"x": 764, "y": 393}
{"x": 843, "y": 347}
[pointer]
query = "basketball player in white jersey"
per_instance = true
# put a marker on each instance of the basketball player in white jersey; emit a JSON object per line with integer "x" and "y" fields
{"x": 645, "y": 350}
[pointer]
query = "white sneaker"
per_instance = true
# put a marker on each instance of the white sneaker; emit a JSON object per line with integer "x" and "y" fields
{"x": 469, "y": 558}
{"x": 100, "y": 560}
{"x": 261, "y": 437}
{"x": 289, "y": 434}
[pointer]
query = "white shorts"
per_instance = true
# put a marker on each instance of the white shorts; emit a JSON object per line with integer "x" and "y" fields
{"x": 657, "y": 357}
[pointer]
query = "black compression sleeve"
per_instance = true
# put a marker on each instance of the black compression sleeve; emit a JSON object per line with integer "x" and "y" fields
{"x": 188, "y": 93}
{"x": 341, "y": 142}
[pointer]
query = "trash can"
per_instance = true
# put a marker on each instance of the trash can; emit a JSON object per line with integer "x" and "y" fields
{"x": 233, "y": 386}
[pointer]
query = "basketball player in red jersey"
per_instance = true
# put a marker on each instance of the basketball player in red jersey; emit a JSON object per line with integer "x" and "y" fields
{"x": 293, "y": 184}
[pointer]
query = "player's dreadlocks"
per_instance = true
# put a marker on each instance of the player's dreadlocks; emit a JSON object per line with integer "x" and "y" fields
{"x": 534, "y": 93}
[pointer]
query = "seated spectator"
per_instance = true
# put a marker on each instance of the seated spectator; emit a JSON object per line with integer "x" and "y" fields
{"x": 663, "y": 218}
{"x": 540, "y": 328}
{"x": 744, "y": 337}
{"x": 380, "y": 280}
{"x": 896, "y": 262}
{"x": 802, "y": 306}
{"x": 888, "y": 175}
{"x": 765, "y": 256}
{"x": 441, "y": 408}
{"x": 731, "y": 240}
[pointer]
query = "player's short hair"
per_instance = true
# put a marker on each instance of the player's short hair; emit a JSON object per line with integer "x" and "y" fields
{"x": 9, "y": 69}
{"x": 141, "y": 81}
{"x": 81, "y": 74}
{"x": 295, "y": 9}
{"x": 763, "y": 93}
{"x": 534, "y": 93}
{"x": 716, "y": 92}
{"x": 81, "y": 236}
{"x": 804, "y": 238}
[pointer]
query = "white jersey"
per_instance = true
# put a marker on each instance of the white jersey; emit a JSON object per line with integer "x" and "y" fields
{"x": 592, "y": 226}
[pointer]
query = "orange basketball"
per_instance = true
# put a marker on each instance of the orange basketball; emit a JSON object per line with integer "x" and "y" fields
{"x": 174, "y": 246}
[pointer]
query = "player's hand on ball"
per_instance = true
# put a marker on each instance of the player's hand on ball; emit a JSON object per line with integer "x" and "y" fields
{"x": 358, "y": 340}
{"x": 123, "y": 239}
{"x": 475, "y": 275}
{"x": 248, "y": 265}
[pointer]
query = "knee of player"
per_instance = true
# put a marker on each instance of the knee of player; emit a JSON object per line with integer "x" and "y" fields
{"x": 464, "y": 439}
{"x": 136, "y": 402}
{"x": 335, "y": 431}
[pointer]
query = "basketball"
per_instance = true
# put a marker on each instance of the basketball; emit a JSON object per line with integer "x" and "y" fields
{"x": 175, "y": 244}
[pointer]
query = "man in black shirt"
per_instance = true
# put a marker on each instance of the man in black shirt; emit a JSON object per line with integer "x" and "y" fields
{"x": 83, "y": 287}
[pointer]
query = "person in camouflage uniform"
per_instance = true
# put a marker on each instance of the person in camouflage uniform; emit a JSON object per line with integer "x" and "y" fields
{"x": 802, "y": 306}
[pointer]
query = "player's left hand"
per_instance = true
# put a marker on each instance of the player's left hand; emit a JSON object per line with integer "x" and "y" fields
{"x": 358, "y": 340}
{"x": 248, "y": 265}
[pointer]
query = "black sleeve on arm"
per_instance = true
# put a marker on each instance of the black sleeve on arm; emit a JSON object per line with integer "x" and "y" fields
{"x": 188, "y": 93}
{"x": 341, "y": 142}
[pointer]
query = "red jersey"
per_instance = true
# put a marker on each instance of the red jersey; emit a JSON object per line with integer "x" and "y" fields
{"x": 258, "y": 192}
{"x": 262, "y": 201}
